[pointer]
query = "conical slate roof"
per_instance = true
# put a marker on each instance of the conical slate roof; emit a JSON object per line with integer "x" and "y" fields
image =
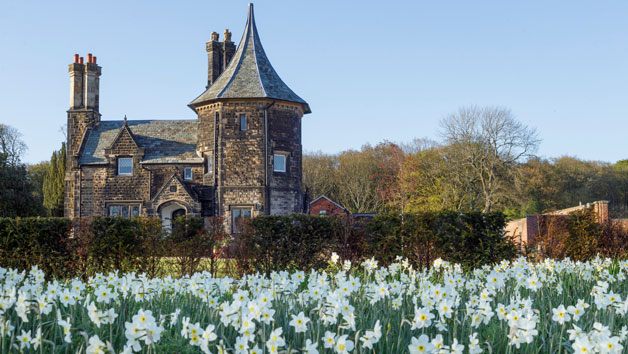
{"x": 250, "y": 74}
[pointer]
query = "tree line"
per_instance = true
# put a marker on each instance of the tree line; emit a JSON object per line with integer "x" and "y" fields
{"x": 29, "y": 190}
{"x": 485, "y": 161}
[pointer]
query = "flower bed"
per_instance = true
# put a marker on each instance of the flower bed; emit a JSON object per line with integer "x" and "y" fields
{"x": 518, "y": 307}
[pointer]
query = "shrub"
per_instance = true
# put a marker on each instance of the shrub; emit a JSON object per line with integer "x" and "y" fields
{"x": 470, "y": 239}
{"x": 613, "y": 241}
{"x": 193, "y": 239}
{"x": 25, "y": 242}
{"x": 296, "y": 241}
{"x": 584, "y": 233}
{"x": 114, "y": 244}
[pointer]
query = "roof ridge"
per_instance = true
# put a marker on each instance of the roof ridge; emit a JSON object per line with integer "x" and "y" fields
{"x": 243, "y": 43}
{"x": 251, "y": 21}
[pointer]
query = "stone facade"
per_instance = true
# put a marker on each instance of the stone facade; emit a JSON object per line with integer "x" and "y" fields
{"x": 241, "y": 158}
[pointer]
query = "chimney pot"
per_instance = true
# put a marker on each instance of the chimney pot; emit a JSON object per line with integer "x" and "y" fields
{"x": 76, "y": 58}
{"x": 81, "y": 60}
{"x": 214, "y": 36}
{"x": 89, "y": 57}
{"x": 227, "y": 35}
{"x": 94, "y": 60}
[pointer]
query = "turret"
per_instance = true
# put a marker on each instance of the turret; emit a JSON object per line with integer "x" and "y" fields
{"x": 249, "y": 132}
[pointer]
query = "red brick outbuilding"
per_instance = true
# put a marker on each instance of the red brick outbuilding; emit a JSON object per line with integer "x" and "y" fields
{"x": 324, "y": 206}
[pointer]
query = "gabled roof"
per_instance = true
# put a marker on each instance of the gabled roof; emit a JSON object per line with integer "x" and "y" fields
{"x": 329, "y": 199}
{"x": 250, "y": 74}
{"x": 174, "y": 180}
{"x": 123, "y": 129}
{"x": 165, "y": 141}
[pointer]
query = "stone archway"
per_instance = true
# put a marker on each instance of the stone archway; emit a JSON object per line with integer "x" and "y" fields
{"x": 170, "y": 210}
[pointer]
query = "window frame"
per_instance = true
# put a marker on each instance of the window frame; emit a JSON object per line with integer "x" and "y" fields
{"x": 243, "y": 122}
{"x": 130, "y": 207}
{"x": 120, "y": 173}
{"x": 285, "y": 162}
{"x": 241, "y": 209}
{"x": 185, "y": 173}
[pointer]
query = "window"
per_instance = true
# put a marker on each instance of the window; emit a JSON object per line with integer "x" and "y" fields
{"x": 125, "y": 166}
{"x": 209, "y": 164}
{"x": 187, "y": 173}
{"x": 279, "y": 163}
{"x": 124, "y": 211}
{"x": 243, "y": 122}
{"x": 114, "y": 210}
{"x": 238, "y": 215}
{"x": 322, "y": 212}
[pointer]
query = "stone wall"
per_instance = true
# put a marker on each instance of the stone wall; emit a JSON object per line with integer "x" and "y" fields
{"x": 526, "y": 230}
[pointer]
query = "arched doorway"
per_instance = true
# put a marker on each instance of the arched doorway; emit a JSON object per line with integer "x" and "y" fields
{"x": 170, "y": 211}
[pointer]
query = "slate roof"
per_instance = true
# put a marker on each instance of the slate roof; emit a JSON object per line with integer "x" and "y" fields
{"x": 165, "y": 141}
{"x": 250, "y": 74}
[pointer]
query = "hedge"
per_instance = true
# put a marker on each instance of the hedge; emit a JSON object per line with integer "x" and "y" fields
{"x": 44, "y": 242}
{"x": 101, "y": 244}
{"x": 268, "y": 243}
{"x": 303, "y": 242}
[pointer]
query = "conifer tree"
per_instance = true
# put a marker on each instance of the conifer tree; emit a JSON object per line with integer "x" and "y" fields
{"x": 54, "y": 183}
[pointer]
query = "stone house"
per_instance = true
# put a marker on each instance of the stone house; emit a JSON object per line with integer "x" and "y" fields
{"x": 240, "y": 158}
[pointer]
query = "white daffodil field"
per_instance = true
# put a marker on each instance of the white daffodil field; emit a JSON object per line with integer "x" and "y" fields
{"x": 512, "y": 307}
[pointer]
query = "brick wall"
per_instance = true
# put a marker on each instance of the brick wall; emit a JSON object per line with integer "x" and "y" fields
{"x": 325, "y": 204}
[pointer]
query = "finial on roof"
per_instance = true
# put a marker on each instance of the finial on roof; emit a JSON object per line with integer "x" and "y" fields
{"x": 125, "y": 119}
{"x": 250, "y": 16}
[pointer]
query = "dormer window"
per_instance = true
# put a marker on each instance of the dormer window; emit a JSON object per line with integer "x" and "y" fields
{"x": 187, "y": 173}
{"x": 125, "y": 166}
{"x": 242, "y": 122}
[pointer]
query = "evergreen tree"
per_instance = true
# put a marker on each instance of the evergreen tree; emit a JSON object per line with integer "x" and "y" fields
{"x": 54, "y": 183}
{"x": 16, "y": 190}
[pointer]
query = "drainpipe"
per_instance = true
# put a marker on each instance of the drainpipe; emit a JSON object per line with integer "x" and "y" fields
{"x": 215, "y": 166}
{"x": 266, "y": 178}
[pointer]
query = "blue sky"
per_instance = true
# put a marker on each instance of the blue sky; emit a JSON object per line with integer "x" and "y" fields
{"x": 370, "y": 70}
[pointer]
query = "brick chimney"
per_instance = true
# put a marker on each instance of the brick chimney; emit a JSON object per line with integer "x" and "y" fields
{"x": 219, "y": 55}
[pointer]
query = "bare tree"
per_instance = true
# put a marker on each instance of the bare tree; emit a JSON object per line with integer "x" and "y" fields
{"x": 488, "y": 143}
{"x": 357, "y": 187}
{"x": 11, "y": 146}
{"x": 318, "y": 174}
{"x": 417, "y": 145}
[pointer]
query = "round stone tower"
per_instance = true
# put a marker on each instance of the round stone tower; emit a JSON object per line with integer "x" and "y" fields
{"x": 249, "y": 132}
